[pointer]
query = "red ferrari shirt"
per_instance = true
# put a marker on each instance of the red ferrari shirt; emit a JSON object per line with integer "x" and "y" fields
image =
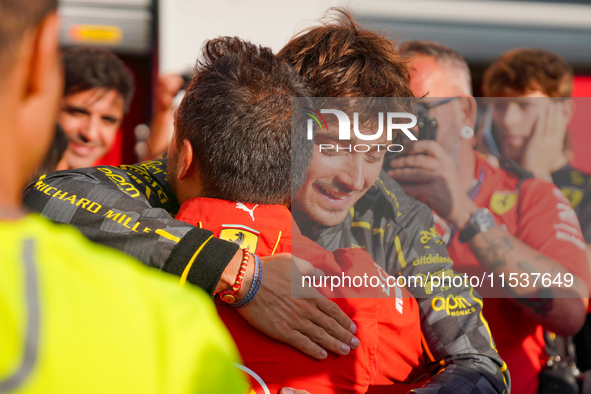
{"x": 541, "y": 216}
{"x": 388, "y": 328}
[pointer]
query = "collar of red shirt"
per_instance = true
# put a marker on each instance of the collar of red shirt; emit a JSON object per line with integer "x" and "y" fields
{"x": 217, "y": 212}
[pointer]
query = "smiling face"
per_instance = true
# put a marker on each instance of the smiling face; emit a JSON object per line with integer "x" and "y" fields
{"x": 337, "y": 177}
{"x": 90, "y": 119}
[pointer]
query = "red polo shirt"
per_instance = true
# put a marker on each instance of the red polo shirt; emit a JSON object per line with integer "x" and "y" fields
{"x": 388, "y": 328}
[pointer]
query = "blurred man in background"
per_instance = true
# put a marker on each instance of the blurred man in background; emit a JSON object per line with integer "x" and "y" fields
{"x": 532, "y": 108}
{"x": 78, "y": 317}
{"x": 494, "y": 221}
{"x": 531, "y": 117}
{"x": 97, "y": 93}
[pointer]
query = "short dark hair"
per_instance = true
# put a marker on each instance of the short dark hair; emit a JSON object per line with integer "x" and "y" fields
{"x": 88, "y": 68}
{"x": 237, "y": 116}
{"x": 441, "y": 53}
{"x": 17, "y": 17}
{"x": 341, "y": 59}
{"x": 526, "y": 69}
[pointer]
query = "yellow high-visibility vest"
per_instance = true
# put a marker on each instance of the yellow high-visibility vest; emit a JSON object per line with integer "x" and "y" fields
{"x": 76, "y": 317}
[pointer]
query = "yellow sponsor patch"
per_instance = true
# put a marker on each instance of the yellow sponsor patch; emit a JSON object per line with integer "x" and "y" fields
{"x": 244, "y": 236}
{"x": 574, "y": 195}
{"x": 502, "y": 202}
{"x": 453, "y": 305}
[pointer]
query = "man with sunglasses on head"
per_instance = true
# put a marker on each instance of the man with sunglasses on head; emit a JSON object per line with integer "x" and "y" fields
{"x": 496, "y": 222}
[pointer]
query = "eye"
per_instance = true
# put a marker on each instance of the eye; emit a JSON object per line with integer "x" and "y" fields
{"x": 109, "y": 120}
{"x": 76, "y": 111}
{"x": 374, "y": 157}
{"x": 330, "y": 151}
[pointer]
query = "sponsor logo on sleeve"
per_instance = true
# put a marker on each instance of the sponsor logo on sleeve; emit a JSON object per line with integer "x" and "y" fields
{"x": 453, "y": 305}
{"x": 432, "y": 259}
{"x": 567, "y": 214}
{"x": 431, "y": 234}
{"x": 560, "y": 195}
{"x": 571, "y": 238}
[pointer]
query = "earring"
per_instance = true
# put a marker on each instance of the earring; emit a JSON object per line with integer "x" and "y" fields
{"x": 467, "y": 132}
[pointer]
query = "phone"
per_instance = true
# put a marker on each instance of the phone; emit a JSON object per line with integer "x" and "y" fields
{"x": 427, "y": 130}
{"x": 426, "y": 123}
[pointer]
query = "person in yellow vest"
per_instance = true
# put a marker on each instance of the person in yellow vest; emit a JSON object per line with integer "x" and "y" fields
{"x": 76, "y": 317}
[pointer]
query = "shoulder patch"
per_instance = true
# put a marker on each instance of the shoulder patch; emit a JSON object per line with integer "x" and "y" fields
{"x": 576, "y": 178}
{"x": 501, "y": 202}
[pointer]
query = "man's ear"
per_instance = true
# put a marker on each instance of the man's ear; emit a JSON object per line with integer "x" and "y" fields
{"x": 469, "y": 109}
{"x": 42, "y": 57}
{"x": 38, "y": 84}
{"x": 186, "y": 164}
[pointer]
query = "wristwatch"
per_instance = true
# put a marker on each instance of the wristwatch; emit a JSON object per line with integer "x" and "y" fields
{"x": 480, "y": 222}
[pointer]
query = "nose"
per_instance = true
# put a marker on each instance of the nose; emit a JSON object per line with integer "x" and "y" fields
{"x": 90, "y": 128}
{"x": 510, "y": 115}
{"x": 351, "y": 174}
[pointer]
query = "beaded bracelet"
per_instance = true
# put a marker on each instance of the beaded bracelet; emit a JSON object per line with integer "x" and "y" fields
{"x": 254, "y": 287}
{"x": 229, "y": 296}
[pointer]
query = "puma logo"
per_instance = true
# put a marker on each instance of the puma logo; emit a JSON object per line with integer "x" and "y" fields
{"x": 244, "y": 208}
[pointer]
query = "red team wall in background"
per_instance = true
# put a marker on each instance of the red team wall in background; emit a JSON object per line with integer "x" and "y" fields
{"x": 580, "y": 127}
